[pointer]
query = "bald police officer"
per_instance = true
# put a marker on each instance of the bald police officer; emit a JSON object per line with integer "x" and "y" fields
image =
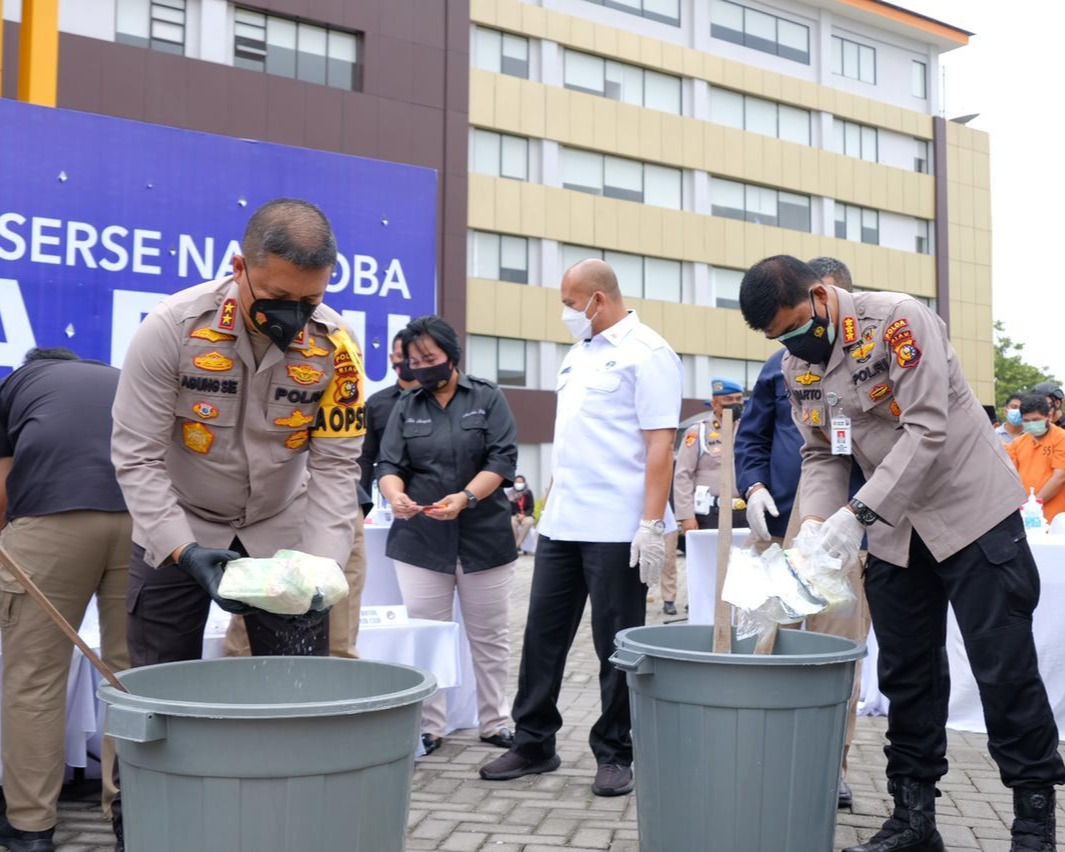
{"x": 940, "y": 510}
{"x": 238, "y": 419}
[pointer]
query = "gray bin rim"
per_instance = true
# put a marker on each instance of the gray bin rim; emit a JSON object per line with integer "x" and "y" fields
{"x": 627, "y": 640}
{"x": 276, "y": 710}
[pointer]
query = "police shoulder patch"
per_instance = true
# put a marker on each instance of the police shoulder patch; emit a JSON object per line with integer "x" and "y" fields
{"x": 208, "y": 333}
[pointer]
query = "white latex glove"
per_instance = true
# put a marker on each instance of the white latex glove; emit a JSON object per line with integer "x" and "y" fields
{"x": 649, "y": 552}
{"x": 841, "y": 537}
{"x": 760, "y": 502}
{"x": 810, "y": 529}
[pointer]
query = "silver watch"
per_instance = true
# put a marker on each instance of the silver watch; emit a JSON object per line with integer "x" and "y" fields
{"x": 658, "y": 526}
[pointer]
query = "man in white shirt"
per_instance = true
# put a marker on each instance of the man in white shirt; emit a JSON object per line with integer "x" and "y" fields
{"x": 601, "y": 532}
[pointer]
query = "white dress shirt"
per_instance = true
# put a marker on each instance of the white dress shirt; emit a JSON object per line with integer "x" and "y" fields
{"x": 610, "y": 389}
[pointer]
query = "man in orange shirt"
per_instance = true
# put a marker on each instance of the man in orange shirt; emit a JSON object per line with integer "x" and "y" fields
{"x": 1039, "y": 455}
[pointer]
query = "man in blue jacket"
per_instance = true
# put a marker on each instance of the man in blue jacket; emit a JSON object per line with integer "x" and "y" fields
{"x": 768, "y": 464}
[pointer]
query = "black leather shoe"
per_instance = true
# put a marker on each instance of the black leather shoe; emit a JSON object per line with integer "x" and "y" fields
{"x": 613, "y": 780}
{"x": 846, "y": 797}
{"x": 513, "y": 765}
{"x": 116, "y": 824}
{"x": 502, "y": 738}
{"x": 1034, "y": 827}
{"x": 431, "y": 743}
{"x": 912, "y": 826}
{"x": 669, "y": 608}
{"x": 17, "y": 840}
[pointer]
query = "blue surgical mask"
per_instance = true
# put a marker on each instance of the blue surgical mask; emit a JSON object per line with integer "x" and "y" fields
{"x": 1036, "y": 428}
{"x": 1013, "y": 416}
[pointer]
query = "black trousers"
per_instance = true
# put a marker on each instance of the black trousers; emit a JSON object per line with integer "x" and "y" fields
{"x": 993, "y": 586}
{"x": 565, "y": 575}
{"x": 167, "y": 612}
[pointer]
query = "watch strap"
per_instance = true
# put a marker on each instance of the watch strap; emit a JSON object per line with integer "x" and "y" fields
{"x": 470, "y": 496}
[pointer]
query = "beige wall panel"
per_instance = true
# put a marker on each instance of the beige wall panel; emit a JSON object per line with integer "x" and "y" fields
{"x": 982, "y": 247}
{"x": 508, "y": 102}
{"x": 604, "y": 124}
{"x": 651, "y": 313}
{"x": 896, "y": 195}
{"x": 508, "y": 17}
{"x": 809, "y": 94}
{"x": 693, "y": 143}
{"x": 651, "y": 53}
{"x": 877, "y": 113}
{"x": 628, "y": 130}
{"x": 556, "y": 113}
{"x": 696, "y": 329}
{"x": 862, "y": 189}
{"x": 953, "y": 166}
{"x": 673, "y": 235}
{"x": 728, "y": 160}
{"x": 482, "y": 202}
{"x": 878, "y": 187}
{"x": 480, "y": 306}
{"x": 557, "y": 214}
{"x": 533, "y": 20}
{"x": 733, "y": 74}
{"x": 630, "y": 228}
{"x": 483, "y": 11}
{"x": 809, "y": 169}
{"x": 714, "y": 230}
{"x": 982, "y": 209}
{"x": 713, "y": 68}
{"x": 582, "y": 34}
{"x": 860, "y": 110}
{"x": 829, "y": 175}
{"x": 693, "y": 64}
{"x": 732, "y": 251}
{"x": 771, "y": 86}
{"x": 605, "y": 222}
{"x": 673, "y": 148}
{"x": 966, "y": 214}
{"x": 582, "y": 120}
{"x": 714, "y": 321}
{"x": 533, "y": 314}
{"x": 675, "y": 327}
{"x": 509, "y": 206}
{"x": 753, "y": 146}
{"x": 482, "y": 98}
{"x": 772, "y": 171}
{"x": 790, "y": 163}
{"x": 964, "y": 175}
{"x": 953, "y": 204}
{"x": 758, "y": 243}
{"x": 966, "y": 248}
{"x": 533, "y": 111}
{"x": 650, "y": 228}
{"x": 694, "y": 238}
{"x": 606, "y": 41}
{"x": 784, "y": 242}
{"x": 628, "y": 46}
{"x": 896, "y": 270}
{"x": 650, "y": 135}
{"x": 508, "y": 309}
{"x": 582, "y": 224}
{"x": 533, "y": 208}
{"x": 752, "y": 80}
{"x": 558, "y": 28}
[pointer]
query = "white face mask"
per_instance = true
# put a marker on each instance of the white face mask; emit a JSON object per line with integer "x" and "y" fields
{"x": 578, "y": 324}
{"x": 519, "y": 486}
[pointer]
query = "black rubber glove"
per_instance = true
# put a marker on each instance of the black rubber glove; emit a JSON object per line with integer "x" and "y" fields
{"x": 206, "y": 566}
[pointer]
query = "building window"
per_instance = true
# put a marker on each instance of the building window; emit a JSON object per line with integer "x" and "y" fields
{"x": 638, "y": 277}
{"x": 853, "y": 60}
{"x": 759, "y": 31}
{"x": 757, "y": 115}
{"x": 501, "y": 52}
{"x": 924, "y": 237}
{"x": 157, "y": 24}
{"x": 499, "y": 257}
{"x": 619, "y": 81}
{"x": 498, "y": 359}
{"x": 614, "y": 177}
{"x": 744, "y": 373}
{"x": 295, "y": 49}
{"x": 857, "y": 223}
{"x": 499, "y": 155}
{"x": 921, "y": 161}
{"x": 759, "y": 205}
{"x": 665, "y": 11}
{"x": 727, "y": 287}
{"x": 920, "y": 80}
{"x": 855, "y": 140}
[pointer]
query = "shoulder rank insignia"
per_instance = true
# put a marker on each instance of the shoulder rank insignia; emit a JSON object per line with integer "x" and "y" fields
{"x": 304, "y": 374}
{"x": 807, "y": 378}
{"x": 313, "y": 350}
{"x": 229, "y": 314}
{"x": 295, "y": 420}
{"x": 197, "y": 437}
{"x": 216, "y": 362}
{"x": 850, "y": 330}
{"x": 208, "y": 333}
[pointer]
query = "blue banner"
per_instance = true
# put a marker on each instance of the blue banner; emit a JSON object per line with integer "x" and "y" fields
{"x": 100, "y": 218}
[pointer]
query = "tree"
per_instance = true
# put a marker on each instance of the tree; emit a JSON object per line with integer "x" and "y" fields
{"x": 1012, "y": 373}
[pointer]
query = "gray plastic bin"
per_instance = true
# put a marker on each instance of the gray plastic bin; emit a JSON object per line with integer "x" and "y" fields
{"x": 736, "y": 752}
{"x": 271, "y": 754}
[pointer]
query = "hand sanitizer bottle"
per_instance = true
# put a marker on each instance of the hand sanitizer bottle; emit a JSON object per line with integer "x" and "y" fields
{"x": 1032, "y": 513}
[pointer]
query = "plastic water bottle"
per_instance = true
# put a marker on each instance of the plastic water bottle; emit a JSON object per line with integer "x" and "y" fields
{"x": 1032, "y": 513}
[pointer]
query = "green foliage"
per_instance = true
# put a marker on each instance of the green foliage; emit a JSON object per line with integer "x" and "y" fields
{"x": 1012, "y": 373}
{"x": 538, "y": 508}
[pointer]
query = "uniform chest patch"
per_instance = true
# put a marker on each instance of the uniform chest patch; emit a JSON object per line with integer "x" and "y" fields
{"x": 205, "y": 411}
{"x": 295, "y": 420}
{"x": 807, "y": 378}
{"x": 689, "y": 440}
{"x": 208, "y": 333}
{"x": 297, "y": 439}
{"x": 197, "y": 437}
{"x": 216, "y": 362}
{"x": 304, "y": 374}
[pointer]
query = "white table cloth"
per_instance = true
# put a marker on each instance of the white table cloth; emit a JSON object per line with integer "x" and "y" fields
{"x": 965, "y": 713}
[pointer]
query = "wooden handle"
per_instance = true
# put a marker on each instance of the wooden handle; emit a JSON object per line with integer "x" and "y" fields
{"x": 31, "y": 589}
{"x": 723, "y": 609}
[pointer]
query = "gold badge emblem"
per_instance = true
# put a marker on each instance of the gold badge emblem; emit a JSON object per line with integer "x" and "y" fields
{"x": 895, "y": 408}
{"x": 304, "y": 374}
{"x": 198, "y": 437}
{"x": 205, "y": 410}
{"x": 313, "y": 350}
{"x": 229, "y": 314}
{"x": 297, "y": 439}
{"x": 216, "y": 362}
{"x": 295, "y": 420}
{"x": 208, "y": 333}
{"x": 807, "y": 378}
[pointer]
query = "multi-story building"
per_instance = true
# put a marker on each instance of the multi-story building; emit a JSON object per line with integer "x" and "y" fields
{"x": 682, "y": 140}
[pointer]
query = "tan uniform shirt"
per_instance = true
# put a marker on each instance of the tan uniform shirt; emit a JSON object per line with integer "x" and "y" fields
{"x": 698, "y": 463}
{"x": 931, "y": 460}
{"x": 208, "y": 445}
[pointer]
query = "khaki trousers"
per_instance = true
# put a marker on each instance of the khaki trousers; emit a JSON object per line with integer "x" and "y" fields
{"x": 668, "y": 581}
{"x": 521, "y": 528}
{"x": 343, "y": 618}
{"x": 485, "y": 600}
{"x": 70, "y": 556}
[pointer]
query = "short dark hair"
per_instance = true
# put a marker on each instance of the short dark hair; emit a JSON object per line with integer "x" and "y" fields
{"x": 1035, "y": 403}
{"x": 781, "y": 281}
{"x": 56, "y": 353}
{"x": 439, "y": 330}
{"x": 292, "y": 229}
{"x": 831, "y": 267}
{"x": 1013, "y": 396}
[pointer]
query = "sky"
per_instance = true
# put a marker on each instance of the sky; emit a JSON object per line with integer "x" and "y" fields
{"x": 1016, "y": 53}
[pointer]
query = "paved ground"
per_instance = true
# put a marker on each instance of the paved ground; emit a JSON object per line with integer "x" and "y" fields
{"x": 453, "y": 810}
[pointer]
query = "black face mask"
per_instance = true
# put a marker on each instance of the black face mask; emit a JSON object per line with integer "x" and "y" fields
{"x": 404, "y": 371}
{"x": 737, "y": 410}
{"x": 279, "y": 319}
{"x": 813, "y": 341}
{"x": 434, "y": 377}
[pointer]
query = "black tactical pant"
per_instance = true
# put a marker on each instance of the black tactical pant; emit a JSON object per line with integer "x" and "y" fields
{"x": 565, "y": 575}
{"x": 993, "y": 586}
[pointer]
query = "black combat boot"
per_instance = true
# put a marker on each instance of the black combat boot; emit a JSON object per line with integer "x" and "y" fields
{"x": 1033, "y": 827}
{"x": 912, "y": 827}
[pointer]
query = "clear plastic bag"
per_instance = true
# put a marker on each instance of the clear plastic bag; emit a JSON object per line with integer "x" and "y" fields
{"x": 287, "y": 583}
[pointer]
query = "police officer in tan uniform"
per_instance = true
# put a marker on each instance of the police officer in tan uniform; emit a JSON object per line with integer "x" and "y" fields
{"x": 873, "y": 377}
{"x": 238, "y": 419}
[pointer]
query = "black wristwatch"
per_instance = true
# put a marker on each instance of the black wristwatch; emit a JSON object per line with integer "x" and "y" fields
{"x": 866, "y": 516}
{"x": 471, "y": 498}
